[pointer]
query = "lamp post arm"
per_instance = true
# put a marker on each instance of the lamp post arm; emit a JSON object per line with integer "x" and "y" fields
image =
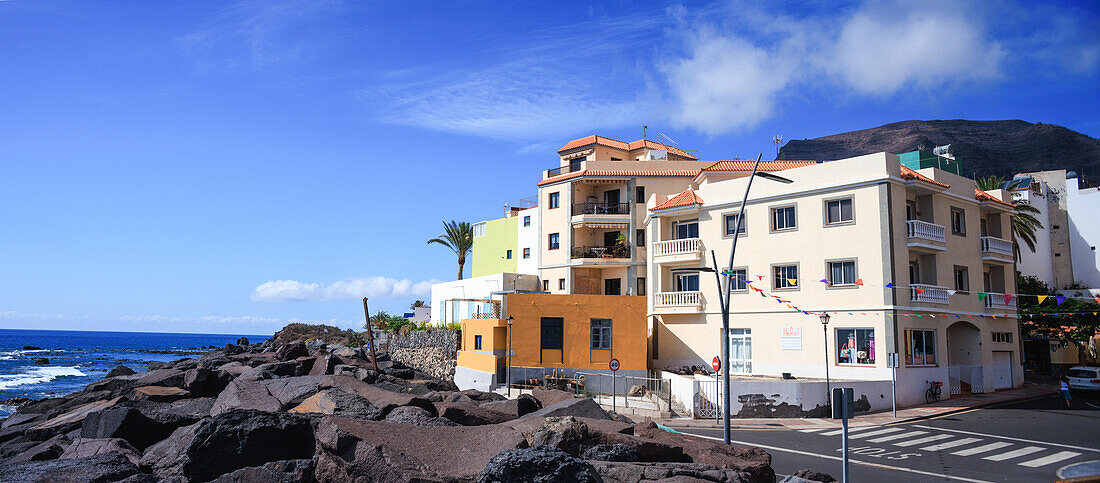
{"x": 741, "y": 214}
{"x": 722, "y": 302}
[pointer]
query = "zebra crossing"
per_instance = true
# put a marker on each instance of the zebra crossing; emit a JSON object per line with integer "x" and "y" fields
{"x": 990, "y": 448}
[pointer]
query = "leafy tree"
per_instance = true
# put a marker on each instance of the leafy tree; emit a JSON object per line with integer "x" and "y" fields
{"x": 989, "y": 183}
{"x": 379, "y": 320}
{"x": 459, "y": 237}
{"x": 1024, "y": 222}
{"x": 1076, "y": 329}
{"x": 418, "y": 303}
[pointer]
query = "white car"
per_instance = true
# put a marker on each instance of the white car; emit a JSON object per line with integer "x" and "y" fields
{"x": 1084, "y": 378}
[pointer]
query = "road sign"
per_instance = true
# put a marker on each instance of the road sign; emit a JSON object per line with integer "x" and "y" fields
{"x": 716, "y": 363}
{"x": 614, "y": 365}
{"x": 892, "y": 359}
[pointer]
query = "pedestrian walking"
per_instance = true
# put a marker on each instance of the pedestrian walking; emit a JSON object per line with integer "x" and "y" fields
{"x": 1065, "y": 391}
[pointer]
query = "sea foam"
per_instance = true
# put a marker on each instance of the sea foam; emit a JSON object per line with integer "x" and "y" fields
{"x": 37, "y": 375}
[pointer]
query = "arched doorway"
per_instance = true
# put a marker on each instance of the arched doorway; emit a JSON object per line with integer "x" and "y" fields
{"x": 964, "y": 358}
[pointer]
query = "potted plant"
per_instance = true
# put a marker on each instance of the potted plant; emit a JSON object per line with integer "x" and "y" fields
{"x": 620, "y": 248}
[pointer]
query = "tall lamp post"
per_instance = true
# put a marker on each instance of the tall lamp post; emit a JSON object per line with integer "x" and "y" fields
{"x": 825, "y": 332}
{"x": 727, "y": 289}
{"x": 508, "y": 373}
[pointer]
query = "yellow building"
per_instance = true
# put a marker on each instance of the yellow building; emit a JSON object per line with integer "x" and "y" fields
{"x": 566, "y": 333}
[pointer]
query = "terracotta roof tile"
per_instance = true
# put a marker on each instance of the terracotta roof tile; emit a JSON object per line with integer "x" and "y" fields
{"x": 983, "y": 196}
{"x": 909, "y": 174}
{"x": 634, "y": 146}
{"x": 747, "y": 164}
{"x": 685, "y": 198}
{"x": 633, "y": 173}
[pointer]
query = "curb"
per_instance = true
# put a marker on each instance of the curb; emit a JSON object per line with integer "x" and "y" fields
{"x": 976, "y": 406}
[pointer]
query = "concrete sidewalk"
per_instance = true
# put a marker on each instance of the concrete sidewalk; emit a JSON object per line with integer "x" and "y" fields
{"x": 947, "y": 406}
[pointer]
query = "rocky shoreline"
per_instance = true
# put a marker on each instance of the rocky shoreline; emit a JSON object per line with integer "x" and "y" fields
{"x": 302, "y": 412}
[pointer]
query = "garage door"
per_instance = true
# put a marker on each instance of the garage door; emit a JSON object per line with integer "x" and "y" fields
{"x": 1002, "y": 369}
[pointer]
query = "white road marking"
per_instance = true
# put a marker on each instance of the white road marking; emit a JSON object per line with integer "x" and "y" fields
{"x": 926, "y": 439}
{"x": 951, "y": 444}
{"x": 876, "y": 433}
{"x": 1054, "y": 458}
{"x": 971, "y": 433}
{"x": 812, "y": 430}
{"x": 897, "y": 436}
{"x": 850, "y": 430}
{"x": 982, "y": 449}
{"x": 1026, "y": 450}
{"x": 838, "y": 458}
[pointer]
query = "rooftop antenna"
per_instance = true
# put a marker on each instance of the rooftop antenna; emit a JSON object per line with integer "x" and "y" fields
{"x": 778, "y": 140}
{"x": 663, "y": 135}
{"x": 643, "y": 131}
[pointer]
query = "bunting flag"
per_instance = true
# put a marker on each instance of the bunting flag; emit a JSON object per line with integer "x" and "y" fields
{"x": 889, "y": 285}
{"x": 920, "y": 291}
{"x": 860, "y": 283}
{"x": 760, "y": 277}
{"x": 1008, "y": 298}
{"x": 762, "y": 294}
{"x": 981, "y": 296}
{"x": 1097, "y": 299}
{"x": 1059, "y": 299}
{"x": 951, "y": 292}
{"x": 792, "y": 281}
{"x": 824, "y": 280}
{"x": 1041, "y": 298}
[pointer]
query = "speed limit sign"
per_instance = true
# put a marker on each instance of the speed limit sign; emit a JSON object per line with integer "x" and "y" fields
{"x": 716, "y": 363}
{"x": 613, "y": 365}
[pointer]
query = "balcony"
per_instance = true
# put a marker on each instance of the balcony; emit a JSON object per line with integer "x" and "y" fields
{"x": 572, "y": 167}
{"x": 997, "y": 301}
{"x": 682, "y": 250}
{"x": 596, "y": 255}
{"x": 601, "y": 209}
{"x": 934, "y": 294}
{"x": 997, "y": 250}
{"x": 677, "y": 302}
{"x": 925, "y": 236}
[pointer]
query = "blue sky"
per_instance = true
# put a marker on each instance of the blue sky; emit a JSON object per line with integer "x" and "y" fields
{"x": 163, "y": 165}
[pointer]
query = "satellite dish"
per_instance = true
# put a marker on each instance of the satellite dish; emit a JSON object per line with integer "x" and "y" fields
{"x": 942, "y": 150}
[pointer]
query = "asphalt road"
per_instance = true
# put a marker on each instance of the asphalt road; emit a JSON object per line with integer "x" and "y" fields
{"x": 1026, "y": 441}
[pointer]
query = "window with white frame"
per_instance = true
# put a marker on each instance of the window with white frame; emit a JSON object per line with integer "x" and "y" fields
{"x": 527, "y": 220}
{"x": 687, "y": 282}
{"x": 685, "y": 229}
{"x": 731, "y": 224}
{"x": 842, "y": 273}
{"x": 1002, "y": 337}
{"x": 958, "y": 221}
{"x": 838, "y": 211}
{"x": 740, "y": 351}
{"x": 784, "y": 276}
{"x": 479, "y": 229}
{"x": 601, "y": 333}
{"x": 783, "y": 218}
{"x": 526, "y": 253}
{"x": 855, "y": 346}
{"x": 920, "y": 347}
{"x": 555, "y": 200}
{"x": 962, "y": 278}
{"x": 737, "y": 279}
{"x": 553, "y": 241}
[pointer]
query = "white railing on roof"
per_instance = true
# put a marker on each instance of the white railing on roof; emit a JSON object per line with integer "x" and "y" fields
{"x": 926, "y": 230}
{"x": 677, "y": 247}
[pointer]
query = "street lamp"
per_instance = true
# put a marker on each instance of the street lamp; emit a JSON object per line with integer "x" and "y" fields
{"x": 508, "y": 373}
{"x": 825, "y": 332}
{"x": 728, "y": 289}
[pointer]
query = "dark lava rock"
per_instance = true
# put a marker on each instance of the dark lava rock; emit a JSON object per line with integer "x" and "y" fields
{"x": 42, "y": 361}
{"x": 176, "y": 413}
{"x": 232, "y": 350}
{"x": 125, "y": 423}
{"x": 520, "y": 406}
{"x": 161, "y": 377}
{"x": 808, "y": 476}
{"x": 203, "y": 382}
{"x": 46, "y": 450}
{"x": 289, "y": 471}
{"x": 564, "y": 433}
{"x": 120, "y": 371}
{"x": 31, "y": 348}
{"x": 417, "y": 417}
{"x": 578, "y": 407}
{"x": 292, "y": 351}
{"x": 548, "y": 397}
{"x": 242, "y": 341}
{"x": 611, "y": 452}
{"x": 100, "y": 468}
{"x": 749, "y": 459}
{"x": 84, "y": 448}
{"x": 615, "y": 471}
{"x": 469, "y": 414}
{"x": 334, "y": 402}
{"x": 383, "y": 399}
{"x": 241, "y": 438}
{"x": 540, "y": 464}
{"x": 18, "y": 402}
{"x": 244, "y": 394}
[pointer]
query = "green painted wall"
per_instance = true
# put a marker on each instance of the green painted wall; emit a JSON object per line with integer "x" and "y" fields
{"x": 491, "y": 250}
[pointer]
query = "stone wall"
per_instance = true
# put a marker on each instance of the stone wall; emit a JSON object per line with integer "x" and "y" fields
{"x": 434, "y": 352}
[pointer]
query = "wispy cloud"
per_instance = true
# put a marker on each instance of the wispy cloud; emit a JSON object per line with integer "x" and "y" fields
{"x": 352, "y": 288}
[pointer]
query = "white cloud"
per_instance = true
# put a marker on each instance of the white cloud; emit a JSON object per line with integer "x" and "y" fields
{"x": 352, "y": 288}
{"x": 239, "y": 324}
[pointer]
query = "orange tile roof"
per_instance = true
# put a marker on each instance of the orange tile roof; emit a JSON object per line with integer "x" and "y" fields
{"x": 634, "y": 146}
{"x": 983, "y": 196}
{"x": 746, "y": 165}
{"x": 909, "y": 174}
{"x": 631, "y": 173}
{"x": 685, "y": 198}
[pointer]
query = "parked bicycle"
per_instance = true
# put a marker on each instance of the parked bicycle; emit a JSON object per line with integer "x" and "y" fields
{"x": 935, "y": 388}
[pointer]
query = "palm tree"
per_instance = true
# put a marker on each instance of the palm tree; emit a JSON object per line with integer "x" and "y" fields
{"x": 458, "y": 236}
{"x": 379, "y": 320}
{"x": 1024, "y": 222}
{"x": 418, "y": 303}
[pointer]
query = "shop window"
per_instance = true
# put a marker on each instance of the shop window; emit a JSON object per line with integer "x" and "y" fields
{"x": 855, "y": 346}
{"x": 920, "y": 347}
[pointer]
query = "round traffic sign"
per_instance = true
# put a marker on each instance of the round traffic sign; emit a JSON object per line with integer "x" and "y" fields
{"x": 614, "y": 365}
{"x": 716, "y": 363}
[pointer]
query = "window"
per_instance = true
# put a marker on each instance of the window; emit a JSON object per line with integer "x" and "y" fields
{"x": 784, "y": 276}
{"x": 639, "y": 194}
{"x": 842, "y": 273}
{"x": 553, "y": 241}
{"x": 526, "y": 253}
{"x": 687, "y": 282}
{"x": 741, "y": 351}
{"x": 551, "y": 334}
{"x": 1002, "y": 337}
{"x": 783, "y": 218}
{"x": 737, "y": 280}
{"x": 855, "y": 346}
{"x": 920, "y": 347}
{"x": 685, "y": 229}
{"x": 639, "y": 237}
{"x": 838, "y": 211}
{"x": 731, "y": 224}
{"x": 545, "y": 285}
{"x": 479, "y": 229}
{"x": 958, "y": 221}
{"x": 601, "y": 333}
{"x": 555, "y": 200}
{"x": 962, "y": 279}
{"x": 477, "y": 342}
{"x": 561, "y": 284}
{"x": 527, "y": 220}
{"x": 612, "y": 286}
{"x": 508, "y": 255}
{"x": 641, "y": 286}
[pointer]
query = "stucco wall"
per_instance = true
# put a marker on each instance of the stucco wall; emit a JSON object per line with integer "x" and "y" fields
{"x": 1084, "y": 233}
{"x": 490, "y": 250}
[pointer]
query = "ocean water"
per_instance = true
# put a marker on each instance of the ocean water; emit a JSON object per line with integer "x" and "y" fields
{"x": 78, "y": 358}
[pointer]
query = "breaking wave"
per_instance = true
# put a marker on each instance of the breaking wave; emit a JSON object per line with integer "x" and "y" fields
{"x": 37, "y": 375}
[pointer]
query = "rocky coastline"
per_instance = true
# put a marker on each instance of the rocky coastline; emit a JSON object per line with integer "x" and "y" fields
{"x": 309, "y": 411}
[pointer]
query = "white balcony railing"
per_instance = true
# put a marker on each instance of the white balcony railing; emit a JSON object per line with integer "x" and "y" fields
{"x": 677, "y": 247}
{"x": 997, "y": 301}
{"x": 919, "y": 292}
{"x": 678, "y": 299}
{"x": 996, "y": 245}
{"x": 925, "y": 230}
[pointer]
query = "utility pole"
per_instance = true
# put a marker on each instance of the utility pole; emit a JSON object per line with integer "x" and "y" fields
{"x": 370, "y": 335}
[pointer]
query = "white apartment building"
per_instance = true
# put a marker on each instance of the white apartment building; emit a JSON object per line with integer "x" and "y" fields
{"x": 1065, "y": 249}
{"x": 836, "y": 240}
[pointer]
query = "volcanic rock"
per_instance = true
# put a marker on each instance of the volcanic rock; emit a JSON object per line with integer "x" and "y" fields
{"x": 749, "y": 459}
{"x": 548, "y": 397}
{"x": 205, "y": 382}
{"x": 469, "y": 414}
{"x": 42, "y": 361}
{"x": 245, "y": 394}
{"x": 157, "y": 394}
{"x": 46, "y": 450}
{"x": 242, "y": 341}
{"x": 125, "y": 423}
{"x": 514, "y": 408}
{"x": 334, "y": 402}
{"x": 95, "y": 469}
{"x": 291, "y": 351}
{"x": 86, "y": 447}
{"x": 808, "y": 476}
{"x": 564, "y": 433}
{"x": 623, "y": 472}
{"x": 417, "y": 417}
{"x": 120, "y": 371}
{"x": 68, "y": 421}
{"x": 287, "y": 471}
{"x": 240, "y": 438}
{"x": 611, "y": 452}
{"x": 540, "y": 464}
{"x": 381, "y": 398}
{"x": 578, "y": 407}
